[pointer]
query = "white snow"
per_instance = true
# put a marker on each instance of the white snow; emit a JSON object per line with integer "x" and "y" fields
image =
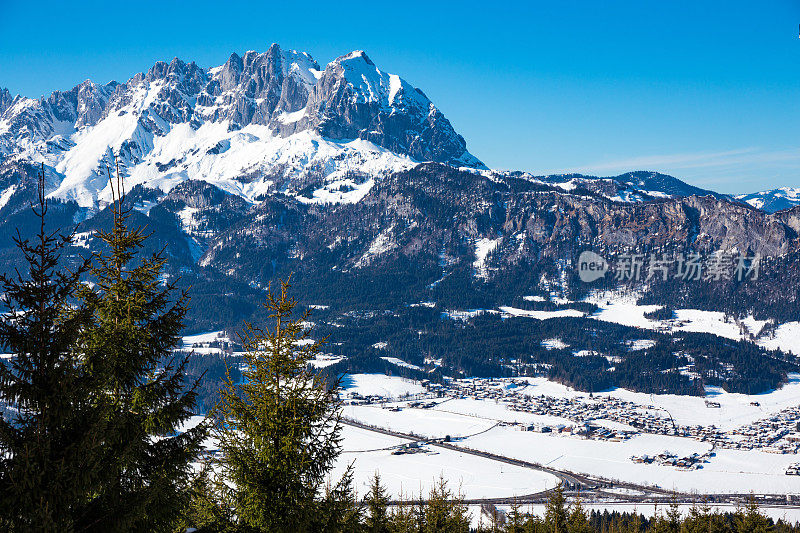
{"x": 427, "y": 423}
{"x": 554, "y": 344}
{"x": 322, "y": 360}
{"x": 730, "y": 471}
{"x": 482, "y": 249}
{"x": 640, "y": 344}
{"x": 536, "y": 298}
{"x": 185, "y": 153}
{"x": 540, "y": 315}
{"x": 410, "y": 474}
{"x": 786, "y": 337}
{"x": 6, "y": 195}
{"x": 399, "y": 362}
{"x": 621, "y": 308}
{"x": 388, "y": 386}
{"x": 383, "y": 243}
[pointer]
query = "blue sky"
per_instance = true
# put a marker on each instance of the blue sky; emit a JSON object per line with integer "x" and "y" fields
{"x": 708, "y": 91}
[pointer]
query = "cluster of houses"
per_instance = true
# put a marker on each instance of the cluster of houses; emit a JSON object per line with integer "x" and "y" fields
{"x": 778, "y": 433}
{"x": 588, "y": 429}
{"x": 666, "y": 458}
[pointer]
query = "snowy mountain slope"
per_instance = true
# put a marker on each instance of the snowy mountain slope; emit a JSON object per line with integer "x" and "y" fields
{"x": 635, "y": 186}
{"x": 261, "y": 123}
{"x": 773, "y": 200}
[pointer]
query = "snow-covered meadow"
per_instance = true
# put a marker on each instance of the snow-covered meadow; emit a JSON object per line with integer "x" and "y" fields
{"x": 490, "y": 425}
{"x": 411, "y": 474}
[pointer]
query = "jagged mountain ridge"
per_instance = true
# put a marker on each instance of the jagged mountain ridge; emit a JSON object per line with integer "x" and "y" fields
{"x": 260, "y": 123}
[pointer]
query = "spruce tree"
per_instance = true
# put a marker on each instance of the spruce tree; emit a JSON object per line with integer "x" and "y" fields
{"x": 339, "y": 511}
{"x": 404, "y": 518}
{"x": 578, "y": 522}
{"x": 49, "y": 435}
{"x": 672, "y": 521}
{"x": 555, "y": 514}
{"x": 515, "y": 520}
{"x": 377, "y": 507}
{"x": 750, "y": 519}
{"x": 279, "y": 430}
{"x": 135, "y": 320}
{"x": 445, "y": 512}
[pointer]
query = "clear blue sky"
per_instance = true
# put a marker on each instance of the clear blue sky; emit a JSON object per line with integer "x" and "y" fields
{"x": 708, "y": 91}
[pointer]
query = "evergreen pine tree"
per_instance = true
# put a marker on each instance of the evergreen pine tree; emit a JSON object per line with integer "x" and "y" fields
{"x": 135, "y": 322}
{"x": 696, "y": 520}
{"x": 403, "y": 518}
{"x": 578, "y": 522}
{"x": 278, "y": 430}
{"x": 515, "y": 519}
{"x": 555, "y": 515}
{"x": 750, "y": 519}
{"x": 445, "y": 512}
{"x": 377, "y": 507}
{"x": 672, "y": 520}
{"x": 49, "y": 435}
{"x": 338, "y": 511}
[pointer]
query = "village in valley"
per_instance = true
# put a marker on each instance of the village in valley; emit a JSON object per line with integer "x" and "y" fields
{"x": 603, "y": 417}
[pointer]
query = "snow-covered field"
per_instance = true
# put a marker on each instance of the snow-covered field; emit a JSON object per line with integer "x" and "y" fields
{"x": 410, "y": 474}
{"x": 476, "y": 420}
{"x": 621, "y": 308}
{"x": 423, "y": 422}
{"x": 541, "y": 315}
{"x": 380, "y": 385}
{"x": 730, "y": 471}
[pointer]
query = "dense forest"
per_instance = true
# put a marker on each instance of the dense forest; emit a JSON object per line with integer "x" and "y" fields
{"x": 489, "y": 345}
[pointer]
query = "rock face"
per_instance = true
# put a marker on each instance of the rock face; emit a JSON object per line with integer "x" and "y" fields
{"x": 354, "y": 99}
{"x": 287, "y": 123}
{"x": 5, "y": 100}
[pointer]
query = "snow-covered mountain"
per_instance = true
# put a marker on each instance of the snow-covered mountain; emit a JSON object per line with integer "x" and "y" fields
{"x": 774, "y": 200}
{"x": 630, "y": 187}
{"x": 260, "y": 123}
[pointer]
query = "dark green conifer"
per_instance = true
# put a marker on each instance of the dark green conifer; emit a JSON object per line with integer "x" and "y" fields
{"x": 515, "y": 520}
{"x": 49, "y": 434}
{"x": 135, "y": 321}
{"x": 445, "y": 511}
{"x": 578, "y": 521}
{"x": 376, "y": 501}
{"x": 555, "y": 514}
{"x": 279, "y": 431}
{"x": 750, "y": 518}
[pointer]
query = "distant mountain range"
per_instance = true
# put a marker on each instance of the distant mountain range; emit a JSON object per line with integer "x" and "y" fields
{"x": 349, "y": 177}
{"x": 774, "y": 200}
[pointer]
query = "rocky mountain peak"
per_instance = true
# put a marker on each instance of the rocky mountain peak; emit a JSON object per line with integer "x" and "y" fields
{"x": 5, "y": 100}
{"x": 256, "y": 121}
